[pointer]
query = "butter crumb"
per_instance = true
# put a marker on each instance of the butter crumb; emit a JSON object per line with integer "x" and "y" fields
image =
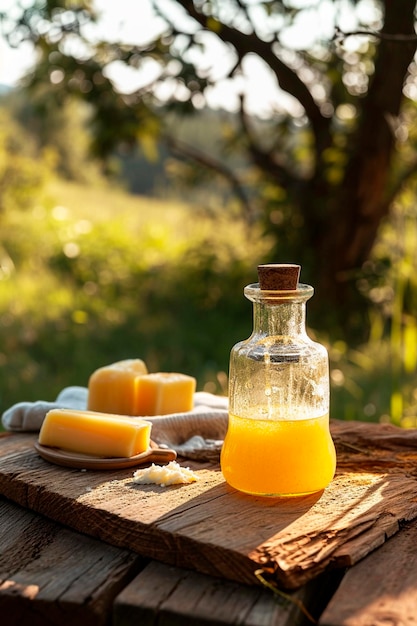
{"x": 164, "y": 475}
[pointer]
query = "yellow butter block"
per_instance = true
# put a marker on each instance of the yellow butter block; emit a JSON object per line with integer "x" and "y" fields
{"x": 162, "y": 393}
{"x": 113, "y": 388}
{"x": 97, "y": 434}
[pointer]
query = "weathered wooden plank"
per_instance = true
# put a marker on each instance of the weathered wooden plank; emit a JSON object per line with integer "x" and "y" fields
{"x": 381, "y": 589}
{"x": 50, "y": 575}
{"x": 164, "y": 595}
{"x": 209, "y": 527}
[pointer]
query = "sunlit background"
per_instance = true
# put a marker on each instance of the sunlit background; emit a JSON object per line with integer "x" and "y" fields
{"x": 146, "y": 252}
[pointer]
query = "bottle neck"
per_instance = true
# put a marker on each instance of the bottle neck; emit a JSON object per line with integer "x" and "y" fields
{"x": 279, "y": 312}
{"x": 285, "y": 319}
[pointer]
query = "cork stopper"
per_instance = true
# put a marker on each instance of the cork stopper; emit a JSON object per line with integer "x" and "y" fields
{"x": 278, "y": 276}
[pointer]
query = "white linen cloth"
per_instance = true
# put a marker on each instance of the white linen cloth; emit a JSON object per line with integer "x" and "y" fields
{"x": 197, "y": 434}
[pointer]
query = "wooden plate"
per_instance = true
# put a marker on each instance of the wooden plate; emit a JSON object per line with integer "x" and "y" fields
{"x": 85, "y": 461}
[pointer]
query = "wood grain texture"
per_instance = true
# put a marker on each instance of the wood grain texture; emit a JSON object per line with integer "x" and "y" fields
{"x": 382, "y": 589}
{"x": 50, "y": 575}
{"x": 169, "y": 596}
{"x": 209, "y": 527}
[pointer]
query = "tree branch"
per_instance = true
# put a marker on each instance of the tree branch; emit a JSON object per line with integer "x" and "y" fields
{"x": 189, "y": 152}
{"x": 397, "y": 37}
{"x": 265, "y": 159}
{"x": 287, "y": 78}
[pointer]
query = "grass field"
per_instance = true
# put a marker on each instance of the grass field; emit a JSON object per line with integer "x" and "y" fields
{"x": 91, "y": 276}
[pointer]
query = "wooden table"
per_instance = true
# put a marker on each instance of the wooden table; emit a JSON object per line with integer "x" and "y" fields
{"x": 52, "y": 574}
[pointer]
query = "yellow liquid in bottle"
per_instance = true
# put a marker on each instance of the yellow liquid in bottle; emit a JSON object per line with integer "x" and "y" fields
{"x": 278, "y": 457}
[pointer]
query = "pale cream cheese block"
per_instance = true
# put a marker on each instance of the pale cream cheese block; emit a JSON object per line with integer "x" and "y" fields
{"x": 96, "y": 434}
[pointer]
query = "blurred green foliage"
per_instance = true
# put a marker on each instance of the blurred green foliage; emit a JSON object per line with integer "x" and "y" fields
{"x": 90, "y": 274}
{"x": 108, "y": 276}
{"x": 97, "y": 275}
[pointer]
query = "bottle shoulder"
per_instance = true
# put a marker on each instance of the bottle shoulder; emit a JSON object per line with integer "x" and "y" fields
{"x": 279, "y": 348}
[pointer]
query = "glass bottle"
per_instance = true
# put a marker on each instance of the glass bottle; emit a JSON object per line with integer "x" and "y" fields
{"x": 278, "y": 441}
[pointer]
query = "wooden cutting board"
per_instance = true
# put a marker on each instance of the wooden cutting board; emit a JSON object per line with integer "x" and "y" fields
{"x": 209, "y": 527}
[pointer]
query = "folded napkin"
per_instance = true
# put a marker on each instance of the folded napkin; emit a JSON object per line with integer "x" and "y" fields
{"x": 28, "y": 416}
{"x": 197, "y": 434}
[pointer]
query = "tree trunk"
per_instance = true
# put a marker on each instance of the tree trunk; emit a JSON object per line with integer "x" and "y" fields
{"x": 360, "y": 206}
